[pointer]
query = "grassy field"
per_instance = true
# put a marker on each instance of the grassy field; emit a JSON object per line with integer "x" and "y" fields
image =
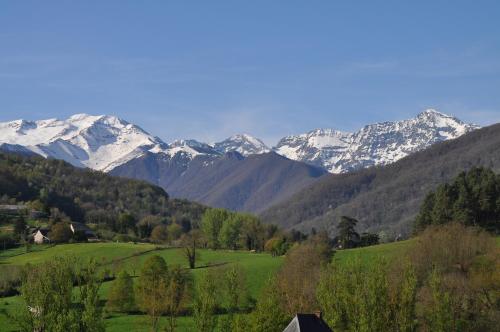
{"x": 115, "y": 256}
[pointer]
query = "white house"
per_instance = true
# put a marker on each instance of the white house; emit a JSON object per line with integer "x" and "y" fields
{"x": 41, "y": 236}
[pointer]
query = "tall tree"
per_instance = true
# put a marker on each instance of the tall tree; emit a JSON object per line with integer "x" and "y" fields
{"x": 121, "y": 296}
{"x": 230, "y": 231}
{"x": 177, "y": 295}
{"x": 189, "y": 242}
{"x": 152, "y": 289}
{"x": 269, "y": 314}
{"x": 346, "y": 232}
{"x": 88, "y": 284}
{"x": 205, "y": 303}
{"x": 211, "y": 224}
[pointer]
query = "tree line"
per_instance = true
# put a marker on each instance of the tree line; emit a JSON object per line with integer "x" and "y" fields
{"x": 472, "y": 198}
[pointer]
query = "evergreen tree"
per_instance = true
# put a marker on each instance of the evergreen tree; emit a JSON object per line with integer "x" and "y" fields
{"x": 472, "y": 199}
{"x": 347, "y": 234}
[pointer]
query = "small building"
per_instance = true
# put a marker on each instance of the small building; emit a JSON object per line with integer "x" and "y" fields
{"x": 41, "y": 236}
{"x": 308, "y": 323}
{"x": 13, "y": 210}
{"x": 83, "y": 230}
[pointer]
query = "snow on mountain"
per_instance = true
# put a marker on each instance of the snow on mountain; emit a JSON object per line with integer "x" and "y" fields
{"x": 243, "y": 143}
{"x": 190, "y": 148}
{"x": 376, "y": 144}
{"x": 98, "y": 142}
{"x": 105, "y": 142}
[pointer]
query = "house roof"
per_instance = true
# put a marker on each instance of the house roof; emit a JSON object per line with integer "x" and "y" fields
{"x": 307, "y": 323}
{"x": 79, "y": 227}
{"x": 44, "y": 231}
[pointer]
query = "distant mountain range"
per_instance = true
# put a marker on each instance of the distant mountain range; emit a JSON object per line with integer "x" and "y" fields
{"x": 375, "y": 144}
{"x": 241, "y": 172}
{"x": 388, "y": 197}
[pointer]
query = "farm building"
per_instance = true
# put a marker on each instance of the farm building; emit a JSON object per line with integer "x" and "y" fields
{"x": 41, "y": 236}
{"x": 83, "y": 230}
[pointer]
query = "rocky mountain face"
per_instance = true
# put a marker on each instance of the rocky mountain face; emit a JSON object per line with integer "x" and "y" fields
{"x": 243, "y": 144}
{"x": 376, "y": 144}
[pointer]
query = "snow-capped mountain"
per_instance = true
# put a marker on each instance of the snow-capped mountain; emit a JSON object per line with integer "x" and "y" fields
{"x": 98, "y": 142}
{"x": 376, "y": 144}
{"x": 244, "y": 144}
{"x": 106, "y": 142}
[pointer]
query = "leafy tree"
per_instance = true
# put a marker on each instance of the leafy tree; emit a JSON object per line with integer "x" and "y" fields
{"x": 356, "y": 298}
{"x": 253, "y": 233}
{"x": 175, "y": 231}
{"x": 211, "y": 224}
{"x": 89, "y": 284}
{"x": 441, "y": 312}
{"x": 60, "y": 232}
{"x": 233, "y": 287}
{"x": 230, "y": 232}
{"x": 189, "y": 242}
{"x": 405, "y": 301}
{"x": 205, "y": 303}
{"x": 346, "y": 232}
{"x": 159, "y": 234}
{"x": 177, "y": 295}
{"x": 277, "y": 245}
{"x": 121, "y": 295}
{"x": 152, "y": 289}
{"x": 269, "y": 314}
{"x": 47, "y": 291}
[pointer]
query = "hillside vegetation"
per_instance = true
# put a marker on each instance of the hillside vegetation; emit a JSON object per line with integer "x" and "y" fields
{"x": 387, "y": 198}
{"x": 76, "y": 191}
{"x": 231, "y": 181}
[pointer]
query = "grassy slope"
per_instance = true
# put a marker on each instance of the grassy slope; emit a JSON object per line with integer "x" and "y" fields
{"x": 131, "y": 256}
{"x": 258, "y": 267}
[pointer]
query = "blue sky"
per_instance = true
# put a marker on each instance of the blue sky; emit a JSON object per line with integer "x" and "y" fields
{"x": 209, "y": 69}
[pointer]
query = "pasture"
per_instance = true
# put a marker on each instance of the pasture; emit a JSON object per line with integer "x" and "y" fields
{"x": 116, "y": 256}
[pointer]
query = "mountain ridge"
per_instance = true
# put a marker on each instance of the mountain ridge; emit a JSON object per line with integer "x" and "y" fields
{"x": 104, "y": 142}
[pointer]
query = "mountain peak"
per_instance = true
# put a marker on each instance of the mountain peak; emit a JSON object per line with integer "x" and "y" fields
{"x": 375, "y": 144}
{"x": 243, "y": 143}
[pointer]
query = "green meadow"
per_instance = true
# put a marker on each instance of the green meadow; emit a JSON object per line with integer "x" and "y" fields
{"x": 116, "y": 256}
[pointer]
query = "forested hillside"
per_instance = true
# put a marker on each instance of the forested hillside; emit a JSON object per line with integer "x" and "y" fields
{"x": 231, "y": 181}
{"x": 83, "y": 194}
{"x": 473, "y": 199}
{"x": 387, "y": 198}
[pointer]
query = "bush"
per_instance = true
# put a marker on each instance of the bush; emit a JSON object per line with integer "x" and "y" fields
{"x": 451, "y": 247}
